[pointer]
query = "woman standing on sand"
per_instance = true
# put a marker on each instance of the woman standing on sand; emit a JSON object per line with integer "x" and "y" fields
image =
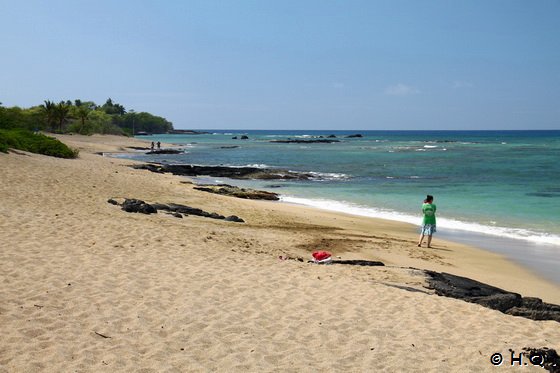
{"x": 429, "y": 221}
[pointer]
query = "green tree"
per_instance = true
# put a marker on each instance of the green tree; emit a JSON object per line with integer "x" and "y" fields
{"x": 49, "y": 111}
{"x": 62, "y": 109}
{"x": 82, "y": 112}
{"x": 112, "y": 108}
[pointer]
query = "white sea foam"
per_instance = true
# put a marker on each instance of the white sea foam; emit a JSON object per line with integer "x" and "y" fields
{"x": 256, "y": 165}
{"x": 350, "y": 208}
{"x": 328, "y": 175}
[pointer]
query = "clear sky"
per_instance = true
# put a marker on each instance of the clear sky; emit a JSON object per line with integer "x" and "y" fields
{"x": 321, "y": 64}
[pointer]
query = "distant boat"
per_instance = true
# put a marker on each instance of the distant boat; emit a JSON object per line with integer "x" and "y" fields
{"x": 141, "y": 133}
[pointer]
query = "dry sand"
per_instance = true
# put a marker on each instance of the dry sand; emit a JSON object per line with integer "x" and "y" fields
{"x": 87, "y": 287}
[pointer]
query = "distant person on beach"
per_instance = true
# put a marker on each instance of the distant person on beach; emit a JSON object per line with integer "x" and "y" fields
{"x": 429, "y": 220}
{"x": 158, "y": 145}
{"x": 152, "y": 146}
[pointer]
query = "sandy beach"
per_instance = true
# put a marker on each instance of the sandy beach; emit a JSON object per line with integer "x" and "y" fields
{"x": 87, "y": 287}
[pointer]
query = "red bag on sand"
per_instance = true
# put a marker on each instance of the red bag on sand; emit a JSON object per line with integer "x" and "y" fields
{"x": 321, "y": 255}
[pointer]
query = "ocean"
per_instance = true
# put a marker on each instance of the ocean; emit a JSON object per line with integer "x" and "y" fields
{"x": 498, "y": 190}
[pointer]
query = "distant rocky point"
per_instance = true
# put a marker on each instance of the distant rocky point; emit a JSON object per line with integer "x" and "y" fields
{"x": 187, "y": 132}
{"x": 165, "y": 151}
{"x": 305, "y": 141}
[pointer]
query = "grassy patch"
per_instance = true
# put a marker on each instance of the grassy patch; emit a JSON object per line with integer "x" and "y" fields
{"x": 34, "y": 143}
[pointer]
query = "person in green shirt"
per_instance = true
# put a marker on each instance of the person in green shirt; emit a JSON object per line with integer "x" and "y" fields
{"x": 429, "y": 220}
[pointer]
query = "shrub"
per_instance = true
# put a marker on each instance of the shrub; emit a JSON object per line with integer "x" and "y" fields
{"x": 35, "y": 143}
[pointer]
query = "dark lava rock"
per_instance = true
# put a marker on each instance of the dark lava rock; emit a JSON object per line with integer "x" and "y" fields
{"x": 224, "y": 171}
{"x": 234, "y": 138}
{"x": 331, "y": 137}
{"x": 235, "y": 219}
{"x": 354, "y": 136}
{"x": 112, "y": 201}
{"x": 215, "y": 215}
{"x": 165, "y": 151}
{"x": 187, "y": 210}
{"x": 160, "y": 206}
{"x": 301, "y": 141}
{"x": 136, "y": 205}
{"x": 233, "y": 191}
{"x": 545, "y": 357}
{"x": 469, "y": 290}
{"x": 500, "y": 302}
{"x": 244, "y": 137}
{"x": 536, "y": 309}
{"x": 176, "y": 210}
{"x": 370, "y": 263}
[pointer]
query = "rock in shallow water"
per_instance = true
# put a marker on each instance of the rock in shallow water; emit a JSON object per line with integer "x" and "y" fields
{"x": 233, "y": 191}
{"x": 224, "y": 171}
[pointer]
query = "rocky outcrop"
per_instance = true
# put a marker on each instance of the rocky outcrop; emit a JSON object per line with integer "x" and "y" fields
{"x": 233, "y": 191}
{"x": 364, "y": 263}
{"x": 224, "y": 171}
{"x": 165, "y": 151}
{"x": 469, "y": 290}
{"x": 354, "y": 136}
{"x": 303, "y": 141}
{"x": 177, "y": 210}
{"x": 139, "y": 206}
{"x": 187, "y": 132}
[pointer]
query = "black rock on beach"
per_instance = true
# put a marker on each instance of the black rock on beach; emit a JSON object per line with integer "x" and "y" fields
{"x": 469, "y": 290}
{"x": 176, "y": 210}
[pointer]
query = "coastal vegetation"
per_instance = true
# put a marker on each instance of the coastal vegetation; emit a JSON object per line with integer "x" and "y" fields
{"x": 23, "y": 139}
{"x": 83, "y": 117}
{"x": 19, "y": 127}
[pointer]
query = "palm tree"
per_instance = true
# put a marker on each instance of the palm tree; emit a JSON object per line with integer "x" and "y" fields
{"x": 49, "y": 109}
{"x": 61, "y": 114}
{"x": 83, "y": 112}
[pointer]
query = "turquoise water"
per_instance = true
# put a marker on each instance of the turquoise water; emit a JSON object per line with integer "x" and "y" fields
{"x": 501, "y": 184}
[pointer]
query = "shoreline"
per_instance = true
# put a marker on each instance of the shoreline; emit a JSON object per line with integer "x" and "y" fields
{"x": 517, "y": 249}
{"x": 461, "y": 238}
{"x": 87, "y": 286}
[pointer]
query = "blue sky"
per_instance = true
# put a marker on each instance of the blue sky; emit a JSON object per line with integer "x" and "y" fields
{"x": 292, "y": 64}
